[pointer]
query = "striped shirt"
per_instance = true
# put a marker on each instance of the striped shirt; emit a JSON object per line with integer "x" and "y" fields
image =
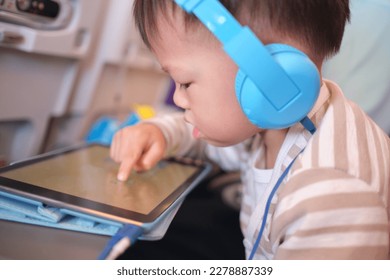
{"x": 334, "y": 202}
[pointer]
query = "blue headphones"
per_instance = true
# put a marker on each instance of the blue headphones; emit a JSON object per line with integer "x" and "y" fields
{"x": 276, "y": 85}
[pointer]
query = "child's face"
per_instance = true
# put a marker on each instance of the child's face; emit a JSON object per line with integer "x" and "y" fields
{"x": 204, "y": 77}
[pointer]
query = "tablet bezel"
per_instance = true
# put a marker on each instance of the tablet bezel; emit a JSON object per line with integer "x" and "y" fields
{"x": 63, "y": 200}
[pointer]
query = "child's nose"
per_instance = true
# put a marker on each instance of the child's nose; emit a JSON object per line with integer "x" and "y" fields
{"x": 181, "y": 99}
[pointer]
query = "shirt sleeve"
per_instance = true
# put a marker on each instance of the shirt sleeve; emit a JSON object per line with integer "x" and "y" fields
{"x": 180, "y": 142}
{"x": 178, "y": 135}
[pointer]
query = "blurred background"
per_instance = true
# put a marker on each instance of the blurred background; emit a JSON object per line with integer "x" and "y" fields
{"x": 65, "y": 65}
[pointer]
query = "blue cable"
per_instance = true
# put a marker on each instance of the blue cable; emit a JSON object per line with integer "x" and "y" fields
{"x": 268, "y": 205}
{"x": 132, "y": 232}
{"x": 308, "y": 124}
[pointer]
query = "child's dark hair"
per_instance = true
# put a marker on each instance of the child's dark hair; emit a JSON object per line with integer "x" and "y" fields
{"x": 317, "y": 24}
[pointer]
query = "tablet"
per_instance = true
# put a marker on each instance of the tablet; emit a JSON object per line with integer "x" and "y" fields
{"x": 84, "y": 179}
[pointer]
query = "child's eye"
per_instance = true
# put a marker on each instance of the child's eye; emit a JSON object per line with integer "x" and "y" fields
{"x": 184, "y": 86}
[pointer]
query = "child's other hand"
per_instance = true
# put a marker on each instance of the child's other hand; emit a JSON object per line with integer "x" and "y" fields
{"x": 137, "y": 147}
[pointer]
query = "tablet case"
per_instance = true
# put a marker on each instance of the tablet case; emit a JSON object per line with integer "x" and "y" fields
{"x": 20, "y": 209}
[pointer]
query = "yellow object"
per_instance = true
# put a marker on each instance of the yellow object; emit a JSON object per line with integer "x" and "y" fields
{"x": 144, "y": 111}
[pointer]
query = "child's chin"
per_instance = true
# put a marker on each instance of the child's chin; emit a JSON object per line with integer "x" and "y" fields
{"x": 217, "y": 143}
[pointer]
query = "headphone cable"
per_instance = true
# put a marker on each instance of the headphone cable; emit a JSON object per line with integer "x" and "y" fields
{"x": 308, "y": 125}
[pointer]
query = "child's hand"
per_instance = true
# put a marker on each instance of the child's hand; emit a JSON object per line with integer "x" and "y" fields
{"x": 137, "y": 147}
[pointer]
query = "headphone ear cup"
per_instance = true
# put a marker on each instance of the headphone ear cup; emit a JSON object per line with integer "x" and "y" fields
{"x": 257, "y": 107}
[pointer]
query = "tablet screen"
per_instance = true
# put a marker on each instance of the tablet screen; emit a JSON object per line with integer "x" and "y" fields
{"x": 86, "y": 177}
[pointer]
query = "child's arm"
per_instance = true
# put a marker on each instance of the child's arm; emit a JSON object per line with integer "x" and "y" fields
{"x": 180, "y": 142}
{"x": 141, "y": 146}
